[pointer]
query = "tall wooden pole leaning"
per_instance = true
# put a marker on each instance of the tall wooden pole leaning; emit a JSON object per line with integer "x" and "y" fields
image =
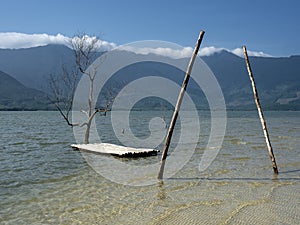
{"x": 260, "y": 113}
{"x": 177, "y": 107}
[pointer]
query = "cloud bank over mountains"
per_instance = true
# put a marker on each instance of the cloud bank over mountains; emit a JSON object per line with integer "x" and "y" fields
{"x": 14, "y": 40}
{"x": 207, "y": 51}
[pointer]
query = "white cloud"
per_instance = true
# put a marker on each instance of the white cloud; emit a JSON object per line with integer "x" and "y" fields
{"x": 168, "y": 52}
{"x": 207, "y": 51}
{"x": 239, "y": 52}
{"x": 187, "y": 51}
{"x": 13, "y": 40}
{"x": 101, "y": 45}
{"x": 19, "y": 40}
{"x": 106, "y": 46}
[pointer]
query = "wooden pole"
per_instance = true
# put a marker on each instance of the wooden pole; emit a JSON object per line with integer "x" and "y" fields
{"x": 178, "y": 104}
{"x": 260, "y": 113}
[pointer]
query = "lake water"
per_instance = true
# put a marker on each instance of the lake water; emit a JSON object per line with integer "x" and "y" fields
{"x": 44, "y": 181}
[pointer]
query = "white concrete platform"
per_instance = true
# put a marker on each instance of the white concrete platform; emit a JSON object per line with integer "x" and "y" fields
{"x": 117, "y": 150}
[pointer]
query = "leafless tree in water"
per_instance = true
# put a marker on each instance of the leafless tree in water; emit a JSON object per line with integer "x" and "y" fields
{"x": 63, "y": 86}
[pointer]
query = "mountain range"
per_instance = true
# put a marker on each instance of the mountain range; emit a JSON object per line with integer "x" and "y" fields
{"x": 24, "y": 78}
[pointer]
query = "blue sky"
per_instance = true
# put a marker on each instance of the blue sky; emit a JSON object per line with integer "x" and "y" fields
{"x": 268, "y": 26}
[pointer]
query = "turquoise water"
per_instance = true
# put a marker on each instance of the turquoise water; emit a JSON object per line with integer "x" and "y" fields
{"x": 43, "y": 181}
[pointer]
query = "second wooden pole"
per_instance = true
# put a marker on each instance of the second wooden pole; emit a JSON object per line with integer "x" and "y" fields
{"x": 260, "y": 113}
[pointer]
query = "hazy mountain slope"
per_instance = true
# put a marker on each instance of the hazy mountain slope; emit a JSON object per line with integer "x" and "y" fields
{"x": 14, "y": 95}
{"x": 32, "y": 66}
{"x": 276, "y": 78}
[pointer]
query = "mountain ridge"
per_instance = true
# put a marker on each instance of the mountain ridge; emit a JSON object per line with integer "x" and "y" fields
{"x": 277, "y": 78}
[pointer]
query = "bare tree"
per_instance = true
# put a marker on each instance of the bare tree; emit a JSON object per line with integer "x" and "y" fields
{"x": 63, "y": 89}
{"x": 63, "y": 86}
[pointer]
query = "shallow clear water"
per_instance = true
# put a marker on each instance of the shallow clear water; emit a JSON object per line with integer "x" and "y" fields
{"x": 43, "y": 181}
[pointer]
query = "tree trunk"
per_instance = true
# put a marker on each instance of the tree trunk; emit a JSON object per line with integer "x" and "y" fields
{"x": 260, "y": 113}
{"x": 87, "y": 133}
{"x": 91, "y": 114}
